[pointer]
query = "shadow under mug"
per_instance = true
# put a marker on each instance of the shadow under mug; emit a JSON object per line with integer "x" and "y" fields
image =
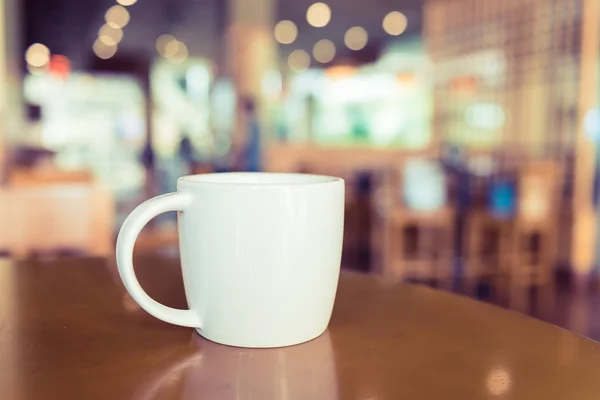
{"x": 260, "y": 255}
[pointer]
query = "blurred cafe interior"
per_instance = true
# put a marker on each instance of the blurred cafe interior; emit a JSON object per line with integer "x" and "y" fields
{"x": 465, "y": 130}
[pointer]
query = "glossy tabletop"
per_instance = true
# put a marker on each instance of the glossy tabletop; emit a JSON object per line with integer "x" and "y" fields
{"x": 69, "y": 331}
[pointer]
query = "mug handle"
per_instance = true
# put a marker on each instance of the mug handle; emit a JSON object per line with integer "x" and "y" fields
{"x": 128, "y": 234}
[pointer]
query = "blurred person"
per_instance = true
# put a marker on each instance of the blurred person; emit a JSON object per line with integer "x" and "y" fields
{"x": 148, "y": 160}
{"x": 187, "y": 156}
{"x": 251, "y": 151}
{"x": 147, "y": 156}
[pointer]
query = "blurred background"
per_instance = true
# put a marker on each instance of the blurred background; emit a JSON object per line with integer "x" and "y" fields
{"x": 466, "y": 130}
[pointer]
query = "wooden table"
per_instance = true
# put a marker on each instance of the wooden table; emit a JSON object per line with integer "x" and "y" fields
{"x": 69, "y": 331}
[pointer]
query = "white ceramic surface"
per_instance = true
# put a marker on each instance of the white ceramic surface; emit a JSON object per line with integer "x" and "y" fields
{"x": 260, "y": 254}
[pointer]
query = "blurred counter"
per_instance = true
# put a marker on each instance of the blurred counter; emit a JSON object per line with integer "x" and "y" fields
{"x": 53, "y": 217}
{"x": 281, "y": 157}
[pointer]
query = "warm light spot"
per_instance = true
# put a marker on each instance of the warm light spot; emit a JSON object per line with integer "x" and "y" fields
{"x": 109, "y": 35}
{"x": 172, "y": 48}
{"x": 298, "y": 61}
{"x": 318, "y": 15}
{"x": 356, "y": 38}
{"x": 406, "y": 78}
{"x": 104, "y": 51}
{"x": 181, "y": 54}
{"x": 162, "y": 42}
{"x": 59, "y": 65}
{"x": 395, "y": 23}
{"x": 498, "y": 382}
{"x": 533, "y": 199}
{"x": 324, "y": 51}
{"x": 286, "y": 32}
{"x": 117, "y": 16}
{"x": 341, "y": 71}
{"x": 126, "y": 2}
{"x": 464, "y": 85}
{"x": 107, "y": 40}
{"x": 37, "y": 55}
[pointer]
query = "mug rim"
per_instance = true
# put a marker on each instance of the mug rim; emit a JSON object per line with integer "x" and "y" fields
{"x": 259, "y": 179}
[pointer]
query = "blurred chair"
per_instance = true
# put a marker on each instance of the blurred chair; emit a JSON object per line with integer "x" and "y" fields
{"x": 358, "y": 221}
{"x": 536, "y": 227}
{"x": 414, "y": 223}
{"x": 56, "y": 217}
{"x": 488, "y": 231}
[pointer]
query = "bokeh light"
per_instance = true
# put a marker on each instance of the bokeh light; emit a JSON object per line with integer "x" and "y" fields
{"x": 395, "y": 23}
{"x": 37, "y": 55}
{"x": 117, "y": 16}
{"x": 104, "y": 51}
{"x": 110, "y": 35}
{"x": 59, "y": 65}
{"x": 298, "y": 61}
{"x": 324, "y": 51}
{"x": 318, "y": 15}
{"x": 181, "y": 52}
{"x": 162, "y": 42}
{"x": 126, "y": 2}
{"x": 107, "y": 40}
{"x": 286, "y": 32}
{"x": 172, "y": 48}
{"x": 356, "y": 38}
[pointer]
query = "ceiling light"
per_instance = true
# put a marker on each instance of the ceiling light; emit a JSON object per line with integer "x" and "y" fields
{"x": 395, "y": 23}
{"x": 181, "y": 54}
{"x": 107, "y": 40}
{"x": 356, "y": 38}
{"x": 298, "y": 61}
{"x": 37, "y": 55}
{"x": 286, "y": 32}
{"x": 162, "y": 42}
{"x": 324, "y": 51}
{"x": 109, "y": 35}
{"x": 318, "y": 15}
{"x": 104, "y": 51}
{"x": 172, "y": 48}
{"x": 117, "y": 16}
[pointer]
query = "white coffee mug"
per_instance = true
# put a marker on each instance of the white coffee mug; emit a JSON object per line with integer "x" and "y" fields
{"x": 260, "y": 255}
